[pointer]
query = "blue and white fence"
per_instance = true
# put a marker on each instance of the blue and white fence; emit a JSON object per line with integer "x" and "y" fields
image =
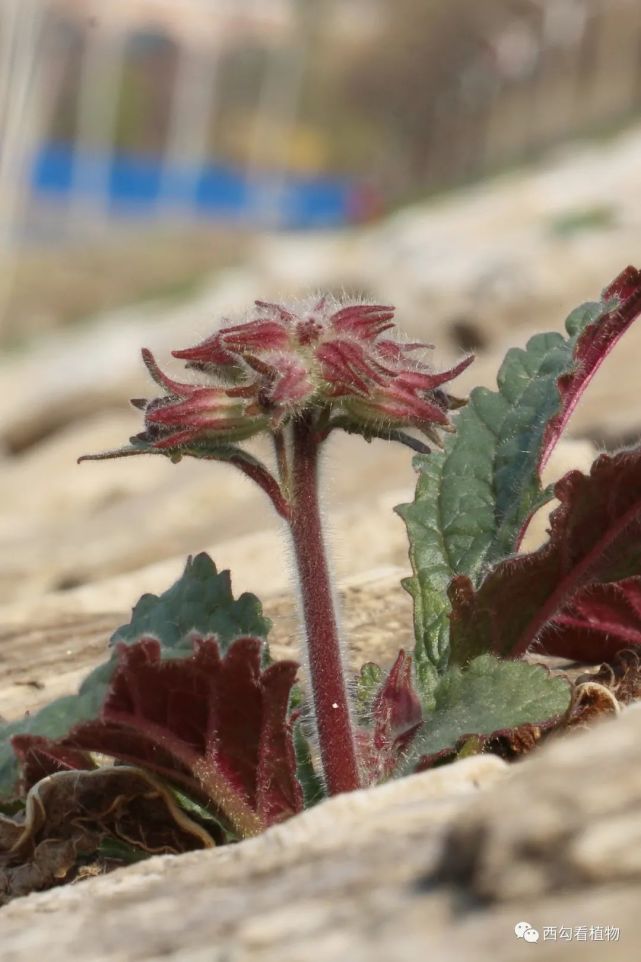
{"x": 140, "y": 186}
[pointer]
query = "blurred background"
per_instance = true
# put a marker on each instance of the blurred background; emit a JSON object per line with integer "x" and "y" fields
{"x": 162, "y": 163}
{"x": 143, "y": 140}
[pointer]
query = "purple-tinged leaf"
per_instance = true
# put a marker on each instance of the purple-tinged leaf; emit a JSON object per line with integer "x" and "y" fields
{"x": 39, "y": 757}
{"x": 70, "y": 815}
{"x": 217, "y": 725}
{"x": 530, "y": 601}
{"x": 601, "y": 620}
{"x": 397, "y": 707}
{"x": 201, "y": 602}
{"x": 621, "y": 305}
{"x": 395, "y": 717}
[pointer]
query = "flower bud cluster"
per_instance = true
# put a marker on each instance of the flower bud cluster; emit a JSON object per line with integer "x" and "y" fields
{"x": 287, "y": 360}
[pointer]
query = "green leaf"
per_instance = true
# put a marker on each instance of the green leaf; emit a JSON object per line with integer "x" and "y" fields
{"x": 429, "y": 552}
{"x": 201, "y": 602}
{"x": 474, "y": 498}
{"x": 200, "y": 813}
{"x": 310, "y": 781}
{"x": 52, "y": 721}
{"x": 115, "y": 849}
{"x": 486, "y": 697}
{"x": 369, "y": 680}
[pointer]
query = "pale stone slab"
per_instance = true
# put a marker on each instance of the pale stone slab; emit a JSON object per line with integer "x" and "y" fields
{"x": 426, "y": 867}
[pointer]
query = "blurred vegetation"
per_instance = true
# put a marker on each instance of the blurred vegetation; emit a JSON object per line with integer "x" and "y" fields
{"x": 389, "y": 77}
{"x": 384, "y": 98}
{"x": 576, "y": 221}
{"x": 410, "y": 98}
{"x": 57, "y": 286}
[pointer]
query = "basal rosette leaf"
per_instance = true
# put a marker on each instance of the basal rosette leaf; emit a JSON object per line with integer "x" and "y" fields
{"x": 52, "y": 721}
{"x": 215, "y": 723}
{"x": 486, "y": 697}
{"x": 200, "y": 602}
{"x": 40, "y": 757}
{"x": 474, "y": 499}
{"x": 601, "y": 620}
{"x": 69, "y": 816}
{"x": 583, "y": 583}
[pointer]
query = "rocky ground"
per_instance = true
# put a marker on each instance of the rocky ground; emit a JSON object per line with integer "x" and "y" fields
{"x": 444, "y": 864}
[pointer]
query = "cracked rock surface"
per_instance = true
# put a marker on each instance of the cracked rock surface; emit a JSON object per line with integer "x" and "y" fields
{"x": 440, "y": 865}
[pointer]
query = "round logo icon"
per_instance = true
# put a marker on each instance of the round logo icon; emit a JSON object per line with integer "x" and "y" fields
{"x": 523, "y": 930}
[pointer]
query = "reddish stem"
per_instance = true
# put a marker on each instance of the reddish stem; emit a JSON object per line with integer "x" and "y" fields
{"x": 327, "y": 672}
{"x": 267, "y": 482}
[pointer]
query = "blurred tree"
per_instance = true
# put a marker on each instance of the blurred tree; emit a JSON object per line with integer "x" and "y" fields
{"x": 431, "y": 58}
{"x": 146, "y": 91}
{"x": 241, "y": 69}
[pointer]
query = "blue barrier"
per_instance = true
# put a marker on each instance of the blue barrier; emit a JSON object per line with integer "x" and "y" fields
{"x": 137, "y": 185}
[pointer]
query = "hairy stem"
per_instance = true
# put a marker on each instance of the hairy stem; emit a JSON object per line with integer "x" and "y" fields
{"x": 282, "y": 462}
{"x": 327, "y": 672}
{"x": 266, "y": 481}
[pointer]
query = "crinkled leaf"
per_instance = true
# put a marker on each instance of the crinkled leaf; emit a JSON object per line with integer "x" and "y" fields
{"x": 475, "y": 497}
{"x": 591, "y": 702}
{"x": 600, "y": 621}
{"x": 486, "y": 697}
{"x": 215, "y": 723}
{"x": 429, "y": 521}
{"x": 52, "y": 721}
{"x": 369, "y": 680}
{"x": 310, "y": 781}
{"x": 70, "y": 814}
{"x": 40, "y": 757}
{"x": 201, "y": 601}
{"x": 594, "y": 541}
{"x": 594, "y": 339}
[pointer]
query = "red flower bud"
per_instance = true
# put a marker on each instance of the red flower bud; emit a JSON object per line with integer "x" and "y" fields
{"x": 284, "y": 361}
